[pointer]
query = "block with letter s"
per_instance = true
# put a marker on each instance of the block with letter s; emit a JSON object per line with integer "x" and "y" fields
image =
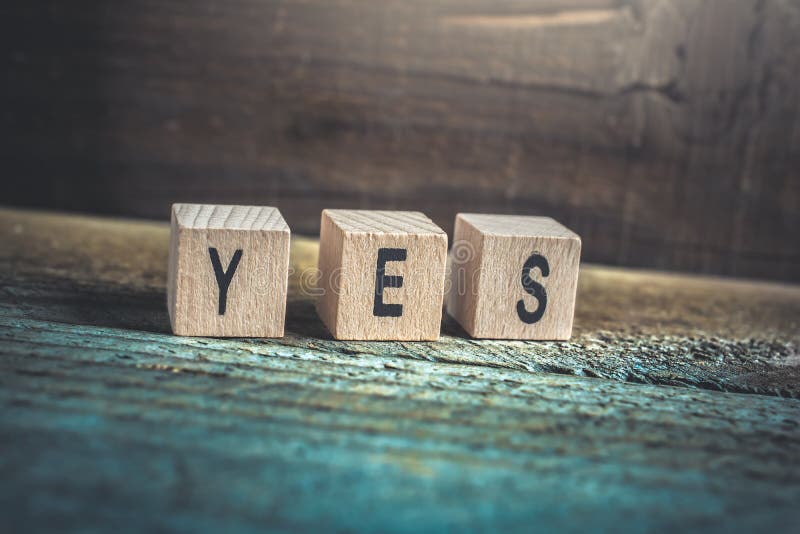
{"x": 513, "y": 276}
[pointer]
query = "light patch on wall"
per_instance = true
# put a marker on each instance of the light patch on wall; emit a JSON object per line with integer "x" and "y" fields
{"x": 561, "y": 18}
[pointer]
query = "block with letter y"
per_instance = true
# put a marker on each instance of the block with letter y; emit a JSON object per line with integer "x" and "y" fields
{"x": 228, "y": 271}
{"x": 381, "y": 275}
{"x": 513, "y": 276}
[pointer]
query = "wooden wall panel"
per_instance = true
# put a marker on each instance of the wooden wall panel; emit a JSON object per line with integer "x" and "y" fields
{"x": 666, "y": 133}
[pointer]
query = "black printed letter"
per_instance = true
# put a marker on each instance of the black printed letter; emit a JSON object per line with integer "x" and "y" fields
{"x": 381, "y": 281}
{"x": 224, "y": 278}
{"x": 533, "y": 288}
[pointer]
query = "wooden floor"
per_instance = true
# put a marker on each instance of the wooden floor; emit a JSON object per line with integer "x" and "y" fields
{"x": 674, "y": 406}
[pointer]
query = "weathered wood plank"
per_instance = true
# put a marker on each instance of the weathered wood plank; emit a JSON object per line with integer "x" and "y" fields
{"x": 665, "y": 133}
{"x": 110, "y": 423}
{"x": 633, "y": 326}
{"x": 105, "y": 427}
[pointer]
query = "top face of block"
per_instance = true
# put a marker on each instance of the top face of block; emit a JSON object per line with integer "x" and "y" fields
{"x": 517, "y": 226}
{"x": 220, "y": 217}
{"x": 382, "y": 222}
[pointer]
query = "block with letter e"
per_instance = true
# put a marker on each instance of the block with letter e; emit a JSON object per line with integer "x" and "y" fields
{"x": 228, "y": 271}
{"x": 513, "y": 276}
{"x": 381, "y": 275}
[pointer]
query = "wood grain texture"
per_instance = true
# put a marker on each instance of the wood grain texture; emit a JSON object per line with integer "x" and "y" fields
{"x": 665, "y": 133}
{"x": 228, "y": 270}
{"x": 635, "y": 326}
{"x": 110, "y": 423}
{"x": 490, "y": 275}
{"x": 381, "y": 275}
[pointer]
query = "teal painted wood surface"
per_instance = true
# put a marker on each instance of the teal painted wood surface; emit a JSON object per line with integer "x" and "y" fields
{"x": 110, "y": 423}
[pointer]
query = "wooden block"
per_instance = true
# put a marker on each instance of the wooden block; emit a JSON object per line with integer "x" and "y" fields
{"x": 382, "y": 275}
{"x": 513, "y": 277}
{"x": 228, "y": 271}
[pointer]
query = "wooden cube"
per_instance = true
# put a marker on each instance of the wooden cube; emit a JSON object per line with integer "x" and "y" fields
{"x": 513, "y": 277}
{"x": 381, "y": 275}
{"x": 228, "y": 271}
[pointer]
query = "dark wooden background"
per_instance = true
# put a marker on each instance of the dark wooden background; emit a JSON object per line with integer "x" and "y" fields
{"x": 667, "y": 133}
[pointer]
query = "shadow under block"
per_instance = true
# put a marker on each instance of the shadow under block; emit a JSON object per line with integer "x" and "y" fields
{"x": 513, "y": 277}
{"x": 381, "y": 275}
{"x": 228, "y": 271}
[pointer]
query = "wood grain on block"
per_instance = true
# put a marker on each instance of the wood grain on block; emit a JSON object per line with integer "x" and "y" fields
{"x": 513, "y": 276}
{"x": 381, "y": 275}
{"x": 228, "y": 271}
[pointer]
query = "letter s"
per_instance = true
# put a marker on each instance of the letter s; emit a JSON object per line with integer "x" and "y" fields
{"x": 533, "y": 288}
